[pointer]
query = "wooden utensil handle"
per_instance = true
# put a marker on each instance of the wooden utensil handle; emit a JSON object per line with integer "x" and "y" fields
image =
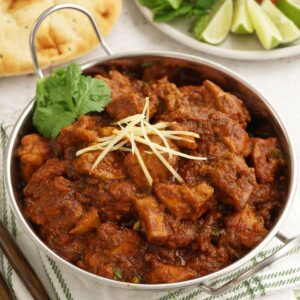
{"x": 5, "y": 291}
{"x": 21, "y": 266}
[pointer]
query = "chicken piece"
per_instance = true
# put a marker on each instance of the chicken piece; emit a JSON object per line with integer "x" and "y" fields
{"x": 227, "y": 103}
{"x": 212, "y": 96}
{"x": 114, "y": 249}
{"x": 231, "y": 134}
{"x": 115, "y": 200}
{"x": 231, "y": 175}
{"x": 243, "y": 229}
{"x": 163, "y": 92}
{"x": 109, "y": 168}
{"x": 125, "y": 105}
{"x": 209, "y": 231}
{"x": 67, "y": 245}
{"x": 119, "y": 83}
{"x": 86, "y": 190}
{"x": 184, "y": 202}
{"x": 53, "y": 167}
{"x": 112, "y": 199}
{"x": 218, "y": 133}
{"x": 190, "y": 171}
{"x": 88, "y": 222}
{"x": 207, "y": 256}
{"x": 106, "y": 131}
{"x": 172, "y": 256}
{"x": 161, "y": 272}
{"x": 152, "y": 220}
{"x": 51, "y": 203}
{"x": 33, "y": 152}
{"x": 162, "y": 228}
{"x": 156, "y": 70}
{"x": 127, "y": 99}
{"x": 189, "y": 142}
{"x": 267, "y": 211}
{"x": 156, "y": 168}
{"x": 205, "y": 263}
{"x": 264, "y": 193}
{"x": 77, "y": 136}
{"x": 182, "y": 233}
{"x": 266, "y": 157}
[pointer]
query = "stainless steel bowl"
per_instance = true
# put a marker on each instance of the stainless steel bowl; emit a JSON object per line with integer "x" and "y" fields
{"x": 194, "y": 70}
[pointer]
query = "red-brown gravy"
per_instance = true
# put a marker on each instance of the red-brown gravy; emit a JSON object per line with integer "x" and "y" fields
{"x": 111, "y": 223}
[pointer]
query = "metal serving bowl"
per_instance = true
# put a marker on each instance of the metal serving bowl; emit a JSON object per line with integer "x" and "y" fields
{"x": 190, "y": 70}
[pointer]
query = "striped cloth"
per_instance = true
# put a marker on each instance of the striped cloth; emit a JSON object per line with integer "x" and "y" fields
{"x": 62, "y": 284}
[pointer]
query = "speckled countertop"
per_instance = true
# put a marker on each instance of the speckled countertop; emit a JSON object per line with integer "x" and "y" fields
{"x": 278, "y": 80}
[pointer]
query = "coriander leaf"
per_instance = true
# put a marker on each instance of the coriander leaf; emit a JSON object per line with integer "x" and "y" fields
{"x": 215, "y": 233}
{"x": 167, "y": 16}
{"x": 65, "y": 95}
{"x": 204, "y": 3}
{"x": 41, "y": 94}
{"x": 51, "y": 119}
{"x": 161, "y": 8}
{"x": 54, "y": 87}
{"x": 118, "y": 274}
{"x": 175, "y": 3}
{"x": 93, "y": 95}
{"x": 155, "y": 4}
{"x": 200, "y": 24}
{"x": 167, "y": 10}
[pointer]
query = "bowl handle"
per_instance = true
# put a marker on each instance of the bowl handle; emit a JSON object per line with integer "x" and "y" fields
{"x": 44, "y": 15}
{"x": 289, "y": 244}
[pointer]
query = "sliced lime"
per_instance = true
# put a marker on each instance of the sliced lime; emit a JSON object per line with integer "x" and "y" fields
{"x": 291, "y": 8}
{"x": 241, "y": 23}
{"x": 267, "y": 32}
{"x": 288, "y": 30}
{"x": 219, "y": 24}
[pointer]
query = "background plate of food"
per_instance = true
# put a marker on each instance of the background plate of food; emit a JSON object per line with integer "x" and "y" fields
{"x": 239, "y": 29}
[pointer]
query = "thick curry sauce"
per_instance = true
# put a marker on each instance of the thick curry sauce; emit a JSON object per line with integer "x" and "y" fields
{"x": 112, "y": 223}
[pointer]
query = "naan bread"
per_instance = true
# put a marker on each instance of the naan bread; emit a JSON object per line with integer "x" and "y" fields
{"x": 64, "y": 35}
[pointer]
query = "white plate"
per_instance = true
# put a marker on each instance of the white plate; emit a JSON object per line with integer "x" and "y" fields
{"x": 234, "y": 47}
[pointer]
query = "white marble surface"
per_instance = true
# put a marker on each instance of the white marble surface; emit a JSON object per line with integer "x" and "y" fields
{"x": 278, "y": 80}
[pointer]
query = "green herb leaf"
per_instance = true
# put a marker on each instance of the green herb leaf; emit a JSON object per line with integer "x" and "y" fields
{"x": 65, "y": 95}
{"x": 199, "y": 25}
{"x": 166, "y": 16}
{"x": 204, "y": 3}
{"x": 155, "y": 4}
{"x": 275, "y": 154}
{"x": 175, "y": 3}
{"x": 215, "y": 231}
{"x": 50, "y": 120}
{"x": 118, "y": 274}
{"x": 137, "y": 226}
{"x": 168, "y": 10}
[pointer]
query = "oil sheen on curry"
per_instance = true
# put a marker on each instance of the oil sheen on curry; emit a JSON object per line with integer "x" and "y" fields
{"x": 151, "y": 215}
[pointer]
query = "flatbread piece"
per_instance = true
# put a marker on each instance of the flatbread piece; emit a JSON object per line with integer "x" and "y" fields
{"x": 63, "y": 36}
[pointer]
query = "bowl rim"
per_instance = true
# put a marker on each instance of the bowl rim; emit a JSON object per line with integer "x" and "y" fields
{"x": 164, "y": 286}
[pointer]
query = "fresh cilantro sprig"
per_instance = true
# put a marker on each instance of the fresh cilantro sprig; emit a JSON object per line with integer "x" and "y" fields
{"x": 65, "y": 95}
{"x": 167, "y": 10}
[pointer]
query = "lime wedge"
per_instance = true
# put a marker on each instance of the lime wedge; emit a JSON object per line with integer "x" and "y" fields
{"x": 288, "y": 30}
{"x": 241, "y": 23}
{"x": 266, "y": 31}
{"x": 219, "y": 24}
{"x": 291, "y": 8}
